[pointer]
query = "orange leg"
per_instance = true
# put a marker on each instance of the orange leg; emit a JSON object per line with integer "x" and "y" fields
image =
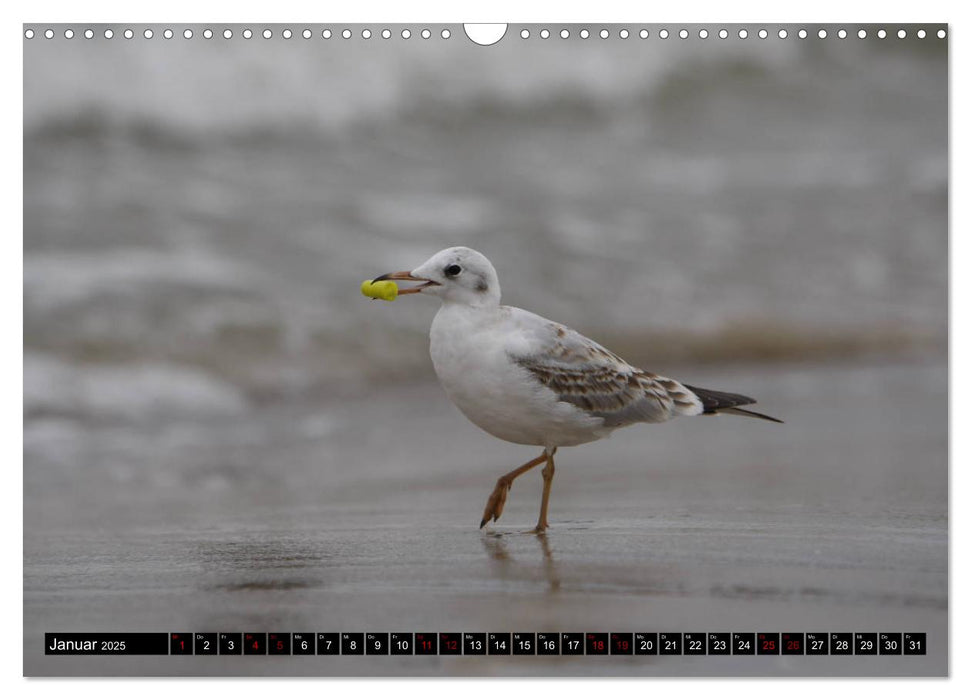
{"x": 497, "y": 499}
{"x": 548, "y": 472}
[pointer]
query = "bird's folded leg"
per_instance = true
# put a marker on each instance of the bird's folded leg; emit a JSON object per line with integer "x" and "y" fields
{"x": 497, "y": 498}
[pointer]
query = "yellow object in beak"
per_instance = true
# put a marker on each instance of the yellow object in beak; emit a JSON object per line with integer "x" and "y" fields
{"x": 385, "y": 289}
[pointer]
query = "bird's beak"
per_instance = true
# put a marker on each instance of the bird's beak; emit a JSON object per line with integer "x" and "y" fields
{"x": 407, "y": 277}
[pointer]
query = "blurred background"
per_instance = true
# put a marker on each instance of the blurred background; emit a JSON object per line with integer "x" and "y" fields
{"x": 769, "y": 216}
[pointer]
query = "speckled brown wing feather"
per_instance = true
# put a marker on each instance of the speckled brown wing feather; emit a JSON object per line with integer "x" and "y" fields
{"x": 587, "y": 375}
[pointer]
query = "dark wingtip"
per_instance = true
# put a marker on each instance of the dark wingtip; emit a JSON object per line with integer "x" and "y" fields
{"x": 482, "y": 524}
{"x": 713, "y": 401}
{"x": 716, "y": 402}
{"x": 752, "y": 414}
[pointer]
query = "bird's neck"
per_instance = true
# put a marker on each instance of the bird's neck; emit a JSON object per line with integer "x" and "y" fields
{"x": 465, "y": 309}
{"x": 456, "y": 309}
{"x": 467, "y": 299}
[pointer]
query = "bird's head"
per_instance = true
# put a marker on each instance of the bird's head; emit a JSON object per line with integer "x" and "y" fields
{"x": 459, "y": 275}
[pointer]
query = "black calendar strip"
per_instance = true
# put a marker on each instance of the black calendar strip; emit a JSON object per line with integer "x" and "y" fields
{"x": 488, "y": 644}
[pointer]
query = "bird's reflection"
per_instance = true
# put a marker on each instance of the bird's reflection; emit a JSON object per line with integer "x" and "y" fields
{"x": 497, "y": 546}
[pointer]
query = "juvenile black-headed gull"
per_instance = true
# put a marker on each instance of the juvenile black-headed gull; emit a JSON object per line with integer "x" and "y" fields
{"x": 531, "y": 381}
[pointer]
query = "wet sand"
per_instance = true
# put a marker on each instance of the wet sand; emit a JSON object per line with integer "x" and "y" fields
{"x": 365, "y": 519}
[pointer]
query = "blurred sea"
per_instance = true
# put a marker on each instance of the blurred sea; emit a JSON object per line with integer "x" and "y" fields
{"x": 199, "y": 214}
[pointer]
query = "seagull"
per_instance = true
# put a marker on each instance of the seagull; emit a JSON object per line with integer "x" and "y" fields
{"x": 532, "y": 381}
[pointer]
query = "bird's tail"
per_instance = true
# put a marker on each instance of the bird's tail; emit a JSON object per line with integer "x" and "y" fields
{"x": 717, "y": 402}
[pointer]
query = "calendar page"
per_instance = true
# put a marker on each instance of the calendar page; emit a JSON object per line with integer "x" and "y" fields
{"x": 326, "y": 328}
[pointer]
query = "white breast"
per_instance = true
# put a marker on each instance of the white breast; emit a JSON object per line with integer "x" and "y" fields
{"x": 469, "y": 349}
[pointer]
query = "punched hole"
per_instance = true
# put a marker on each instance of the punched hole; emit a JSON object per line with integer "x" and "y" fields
{"x": 486, "y": 34}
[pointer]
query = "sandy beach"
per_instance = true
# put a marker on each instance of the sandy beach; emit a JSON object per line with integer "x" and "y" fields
{"x": 836, "y": 521}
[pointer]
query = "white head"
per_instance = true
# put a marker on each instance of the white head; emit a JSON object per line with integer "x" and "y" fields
{"x": 458, "y": 275}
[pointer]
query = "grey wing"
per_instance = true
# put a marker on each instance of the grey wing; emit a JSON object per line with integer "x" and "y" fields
{"x": 587, "y": 375}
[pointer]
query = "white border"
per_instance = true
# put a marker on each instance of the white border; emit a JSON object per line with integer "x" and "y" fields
{"x": 700, "y": 11}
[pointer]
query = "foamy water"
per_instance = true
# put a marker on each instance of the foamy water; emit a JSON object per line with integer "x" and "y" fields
{"x": 208, "y": 208}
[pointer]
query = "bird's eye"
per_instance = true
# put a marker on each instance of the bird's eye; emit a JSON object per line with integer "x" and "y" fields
{"x": 452, "y": 270}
